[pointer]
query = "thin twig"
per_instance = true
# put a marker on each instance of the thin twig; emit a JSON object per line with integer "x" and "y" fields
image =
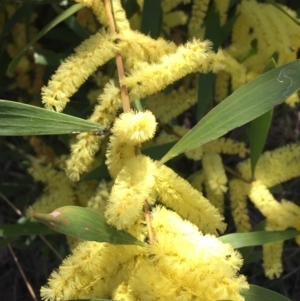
{"x": 148, "y": 221}
{"x": 17, "y": 211}
{"x": 31, "y": 292}
{"x": 119, "y": 61}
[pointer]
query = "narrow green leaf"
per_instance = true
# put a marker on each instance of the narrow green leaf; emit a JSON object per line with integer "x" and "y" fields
{"x": 206, "y": 81}
{"x": 151, "y": 18}
{"x": 67, "y": 13}
{"x": 18, "y": 119}
{"x": 245, "y": 251}
{"x": 259, "y": 129}
{"x": 73, "y": 24}
{"x": 257, "y": 293}
{"x": 250, "y": 101}
{"x": 28, "y": 228}
{"x": 240, "y": 240}
{"x": 86, "y": 224}
{"x": 6, "y": 241}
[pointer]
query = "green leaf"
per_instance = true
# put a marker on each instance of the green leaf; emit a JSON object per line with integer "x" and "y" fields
{"x": 27, "y": 228}
{"x": 257, "y": 293}
{"x": 67, "y": 13}
{"x": 206, "y": 81}
{"x": 151, "y": 18}
{"x": 259, "y": 129}
{"x": 6, "y": 241}
{"x": 18, "y": 119}
{"x": 73, "y": 24}
{"x": 240, "y": 240}
{"x": 250, "y": 101}
{"x": 86, "y": 224}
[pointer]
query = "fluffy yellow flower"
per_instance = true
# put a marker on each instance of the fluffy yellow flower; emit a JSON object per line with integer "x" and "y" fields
{"x": 91, "y": 54}
{"x": 194, "y": 56}
{"x": 133, "y": 187}
{"x": 192, "y": 265}
{"x": 274, "y": 167}
{"x": 179, "y": 195}
{"x": 94, "y": 270}
{"x": 135, "y": 127}
{"x": 238, "y": 201}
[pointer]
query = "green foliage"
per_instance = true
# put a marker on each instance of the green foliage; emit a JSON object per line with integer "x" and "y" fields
{"x": 86, "y": 224}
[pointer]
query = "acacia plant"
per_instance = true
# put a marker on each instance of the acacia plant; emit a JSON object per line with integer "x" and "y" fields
{"x": 147, "y": 233}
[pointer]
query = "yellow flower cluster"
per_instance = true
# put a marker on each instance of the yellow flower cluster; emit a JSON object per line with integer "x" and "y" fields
{"x": 181, "y": 264}
{"x": 260, "y": 31}
{"x": 138, "y": 179}
{"x": 273, "y": 167}
{"x": 151, "y": 65}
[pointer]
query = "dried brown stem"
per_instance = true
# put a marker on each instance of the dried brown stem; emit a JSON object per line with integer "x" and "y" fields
{"x": 31, "y": 292}
{"x": 119, "y": 61}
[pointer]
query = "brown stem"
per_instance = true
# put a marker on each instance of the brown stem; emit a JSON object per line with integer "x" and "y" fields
{"x": 29, "y": 287}
{"x": 119, "y": 61}
{"x": 148, "y": 221}
{"x": 235, "y": 174}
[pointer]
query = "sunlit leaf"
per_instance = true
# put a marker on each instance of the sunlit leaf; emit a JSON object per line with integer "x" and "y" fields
{"x": 18, "y": 119}
{"x": 240, "y": 240}
{"x": 85, "y": 223}
{"x": 248, "y": 102}
{"x": 257, "y": 293}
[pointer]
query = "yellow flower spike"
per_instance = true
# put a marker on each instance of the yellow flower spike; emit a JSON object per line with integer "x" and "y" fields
{"x": 91, "y": 54}
{"x": 294, "y": 211}
{"x": 199, "y": 10}
{"x": 58, "y": 189}
{"x": 222, "y": 7}
{"x": 194, "y": 56}
{"x": 238, "y": 200}
{"x": 274, "y": 167}
{"x": 93, "y": 270}
{"x": 133, "y": 187}
{"x": 129, "y": 131}
{"x": 135, "y": 127}
{"x": 272, "y": 252}
{"x": 140, "y": 49}
{"x": 168, "y": 106}
{"x": 123, "y": 293}
{"x": 267, "y": 205}
{"x": 177, "y": 194}
{"x": 226, "y": 146}
{"x": 214, "y": 172}
{"x": 217, "y": 199}
{"x": 221, "y": 85}
{"x": 117, "y": 154}
{"x": 196, "y": 264}
{"x": 84, "y": 149}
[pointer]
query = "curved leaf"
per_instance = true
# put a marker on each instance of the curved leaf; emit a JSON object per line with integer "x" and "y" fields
{"x": 19, "y": 119}
{"x": 67, "y": 13}
{"x": 86, "y": 224}
{"x": 256, "y": 293}
{"x": 250, "y": 101}
{"x": 240, "y": 240}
